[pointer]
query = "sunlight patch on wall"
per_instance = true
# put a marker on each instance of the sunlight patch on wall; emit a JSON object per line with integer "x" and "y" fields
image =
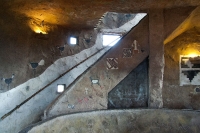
{"x": 39, "y": 26}
{"x": 110, "y": 40}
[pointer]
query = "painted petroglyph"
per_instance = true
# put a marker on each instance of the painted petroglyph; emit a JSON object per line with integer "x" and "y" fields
{"x": 136, "y": 47}
{"x": 99, "y": 94}
{"x": 94, "y": 80}
{"x": 112, "y": 63}
{"x": 34, "y": 65}
{"x": 127, "y": 52}
{"x": 105, "y": 124}
{"x": 61, "y": 48}
{"x": 53, "y": 52}
{"x": 197, "y": 90}
{"x": 189, "y": 70}
{"x": 86, "y": 91}
{"x": 84, "y": 100}
{"x": 87, "y": 39}
{"x": 70, "y": 106}
{"x": 8, "y": 81}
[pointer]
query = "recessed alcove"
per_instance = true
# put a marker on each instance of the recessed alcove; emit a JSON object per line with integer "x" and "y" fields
{"x": 182, "y": 71}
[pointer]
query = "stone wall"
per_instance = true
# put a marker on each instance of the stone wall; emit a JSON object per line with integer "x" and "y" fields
{"x": 25, "y": 90}
{"x": 122, "y": 121}
{"x": 20, "y": 50}
{"x": 91, "y": 91}
{"x": 21, "y": 46}
{"x": 175, "y": 95}
{"x": 32, "y": 110}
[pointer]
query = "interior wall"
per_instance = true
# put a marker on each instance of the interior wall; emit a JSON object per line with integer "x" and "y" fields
{"x": 32, "y": 110}
{"x": 90, "y": 92}
{"x": 174, "y": 95}
{"x": 20, "y": 49}
{"x": 122, "y": 121}
{"x": 21, "y": 46}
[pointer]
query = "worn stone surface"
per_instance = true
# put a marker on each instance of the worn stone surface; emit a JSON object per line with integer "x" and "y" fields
{"x": 123, "y": 121}
{"x": 112, "y": 20}
{"x": 19, "y": 50}
{"x": 32, "y": 110}
{"x": 156, "y": 58}
{"x": 124, "y": 28}
{"x": 91, "y": 91}
{"x": 174, "y": 95}
{"x": 60, "y": 66}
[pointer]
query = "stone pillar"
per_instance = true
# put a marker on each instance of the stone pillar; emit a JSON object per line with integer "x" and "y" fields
{"x": 156, "y": 57}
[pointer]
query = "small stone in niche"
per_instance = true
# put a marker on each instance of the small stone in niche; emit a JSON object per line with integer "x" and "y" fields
{"x": 70, "y": 106}
{"x": 95, "y": 81}
{"x": 87, "y": 40}
{"x": 34, "y": 65}
{"x": 86, "y": 91}
{"x": 191, "y": 74}
{"x": 112, "y": 63}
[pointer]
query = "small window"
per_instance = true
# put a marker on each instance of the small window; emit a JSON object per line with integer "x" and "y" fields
{"x": 73, "y": 40}
{"x": 110, "y": 40}
{"x": 60, "y": 88}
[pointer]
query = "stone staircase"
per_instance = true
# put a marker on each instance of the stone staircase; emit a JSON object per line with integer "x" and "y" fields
{"x": 90, "y": 91}
{"x": 28, "y": 106}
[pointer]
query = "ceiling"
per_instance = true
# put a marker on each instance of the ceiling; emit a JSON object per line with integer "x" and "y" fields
{"x": 192, "y": 21}
{"x": 79, "y": 14}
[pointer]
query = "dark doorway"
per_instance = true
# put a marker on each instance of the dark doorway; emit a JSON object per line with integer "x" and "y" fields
{"x": 132, "y": 91}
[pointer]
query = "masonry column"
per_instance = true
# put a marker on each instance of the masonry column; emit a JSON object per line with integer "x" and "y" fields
{"x": 156, "y": 57}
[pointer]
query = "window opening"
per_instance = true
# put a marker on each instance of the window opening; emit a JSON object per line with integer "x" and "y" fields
{"x": 110, "y": 40}
{"x": 73, "y": 40}
{"x": 60, "y": 88}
